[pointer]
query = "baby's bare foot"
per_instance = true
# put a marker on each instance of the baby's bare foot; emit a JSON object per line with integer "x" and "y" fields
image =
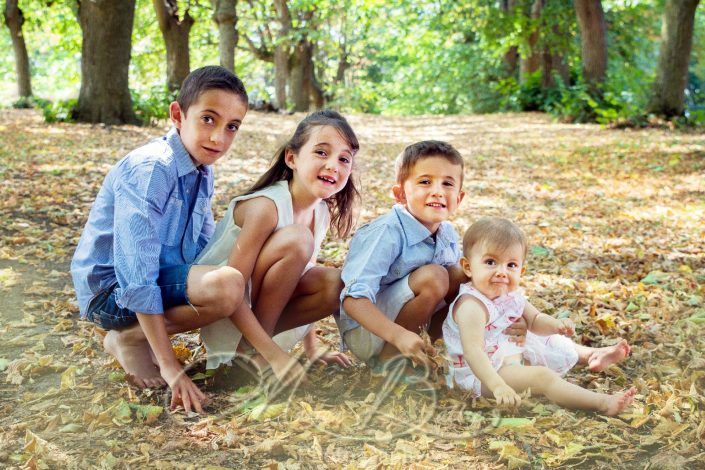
{"x": 602, "y": 358}
{"x": 135, "y": 357}
{"x": 615, "y": 404}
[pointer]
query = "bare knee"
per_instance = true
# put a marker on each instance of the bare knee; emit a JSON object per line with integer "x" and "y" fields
{"x": 430, "y": 281}
{"x": 295, "y": 242}
{"x": 226, "y": 288}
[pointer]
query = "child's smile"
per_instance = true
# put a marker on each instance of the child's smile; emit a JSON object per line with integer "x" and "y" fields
{"x": 431, "y": 192}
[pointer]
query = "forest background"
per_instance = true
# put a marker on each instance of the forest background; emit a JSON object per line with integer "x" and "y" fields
{"x": 584, "y": 60}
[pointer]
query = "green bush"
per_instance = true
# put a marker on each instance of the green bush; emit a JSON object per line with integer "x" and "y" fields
{"x": 152, "y": 105}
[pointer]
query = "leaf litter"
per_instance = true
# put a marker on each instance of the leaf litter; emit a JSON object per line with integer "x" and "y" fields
{"x": 616, "y": 243}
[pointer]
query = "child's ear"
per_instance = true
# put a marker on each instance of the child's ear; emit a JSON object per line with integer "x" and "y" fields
{"x": 523, "y": 269}
{"x": 399, "y": 195}
{"x": 175, "y": 114}
{"x": 465, "y": 265}
{"x": 461, "y": 195}
{"x": 289, "y": 159}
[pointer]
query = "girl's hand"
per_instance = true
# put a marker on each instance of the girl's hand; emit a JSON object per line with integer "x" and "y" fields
{"x": 506, "y": 396}
{"x": 565, "y": 327}
{"x": 327, "y": 357}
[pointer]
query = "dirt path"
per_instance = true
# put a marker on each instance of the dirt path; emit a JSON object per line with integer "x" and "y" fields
{"x": 615, "y": 220}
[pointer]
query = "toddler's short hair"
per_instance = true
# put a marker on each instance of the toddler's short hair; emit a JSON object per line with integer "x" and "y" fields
{"x": 499, "y": 234}
{"x": 210, "y": 77}
{"x": 406, "y": 160}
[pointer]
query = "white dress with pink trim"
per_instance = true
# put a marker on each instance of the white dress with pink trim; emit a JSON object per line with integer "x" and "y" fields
{"x": 555, "y": 351}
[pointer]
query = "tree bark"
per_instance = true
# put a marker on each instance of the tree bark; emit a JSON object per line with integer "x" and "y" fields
{"x": 593, "y": 38}
{"x": 282, "y": 54}
{"x": 532, "y": 62}
{"x": 298, "y": 79}
{"x": 225, "y": 16}
{"x": 668, "y": 98}
{"x": 14, "y": 19}
{"x": 105, "y": 59}
{"x": 511, "y": 57}
{"x": 175, "y": 32}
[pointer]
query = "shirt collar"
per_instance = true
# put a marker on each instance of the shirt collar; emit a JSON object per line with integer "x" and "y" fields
{"x": 184, "y": 163}
{"x": 416, "y": 232}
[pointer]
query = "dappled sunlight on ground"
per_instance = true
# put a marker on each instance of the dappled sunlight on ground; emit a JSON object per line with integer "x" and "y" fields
{"x": 615, "y": 224}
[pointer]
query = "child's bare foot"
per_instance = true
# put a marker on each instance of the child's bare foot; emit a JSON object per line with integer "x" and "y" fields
{"x": 615, "y": 404}
{"x": 602, "y": 358}
{"x": 135, "y": 357}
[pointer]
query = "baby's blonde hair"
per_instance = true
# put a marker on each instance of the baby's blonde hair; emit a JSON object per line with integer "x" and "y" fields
{"x": 497, "y": 233}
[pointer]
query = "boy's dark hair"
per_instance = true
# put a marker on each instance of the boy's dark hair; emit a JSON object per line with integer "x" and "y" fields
{"x": 497, "y": 233}
{"x": 425, "y": 149}
{"x": 341, "y": 203}
{"x": 210, "y": 77}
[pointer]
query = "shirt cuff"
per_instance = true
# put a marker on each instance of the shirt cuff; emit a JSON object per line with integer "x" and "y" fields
{"x": 358, "y": 290}
{"x": 140, "y": 299}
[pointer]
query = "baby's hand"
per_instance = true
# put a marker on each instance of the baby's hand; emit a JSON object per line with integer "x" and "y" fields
{"x": 327, "y": 357}
{"x": 505, "y": 395}
{"x": 566, "y": 327}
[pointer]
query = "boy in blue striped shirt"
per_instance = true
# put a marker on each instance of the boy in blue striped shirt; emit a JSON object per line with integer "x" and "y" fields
{"x": 133, "y": 268}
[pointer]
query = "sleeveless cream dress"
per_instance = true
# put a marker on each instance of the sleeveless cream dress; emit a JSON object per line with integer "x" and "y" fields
{"x": 222, "y": 337}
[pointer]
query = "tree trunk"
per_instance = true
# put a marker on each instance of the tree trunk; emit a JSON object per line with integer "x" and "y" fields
{"x": 511, "y": 57}
{"x": 14, "y": 19}
{"x": 668, "y": 98}
{"x": 593, "y": 37}
{"x": 282, "y": 54}
{"x": 105, "y": 59}
{"x": 532, "y": 62}
{"x": 175, "y": 32}
{"x": 298, "y": 80}
{"x": 225, "y": 16}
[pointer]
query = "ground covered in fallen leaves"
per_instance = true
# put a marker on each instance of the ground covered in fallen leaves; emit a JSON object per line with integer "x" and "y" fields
{"x": 615, "y": 222}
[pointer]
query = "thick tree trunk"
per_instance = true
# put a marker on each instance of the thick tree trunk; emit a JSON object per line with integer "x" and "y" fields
{"x": 225, "y": 16}
{"x": 532, "y": 63}
{"x": 282, "y": 54}
{"x": 175, "y": 32}
{"x": 298, "y": 81}
{"x": 105, "y": 61}
{"x": 668, "y": 98}
{"x": 511, "y": 57}
{"x": 593, "y": 38}
{"x": 14, "y": 19}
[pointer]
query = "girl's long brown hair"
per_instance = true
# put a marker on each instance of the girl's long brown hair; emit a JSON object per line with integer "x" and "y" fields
{"x": 340, "y": 204}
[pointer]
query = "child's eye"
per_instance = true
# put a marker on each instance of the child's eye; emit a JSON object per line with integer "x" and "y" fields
{"x": 344, "y": 160}
{"x": 233, "y": 127}
{"x": 490, "y": 262}
{"x": 321, "y": 153}
{"x": 424, "y": 181}
{"x": 207, "y": 119}
{"x": 449, "y": 183}
{"x": 513, "y": 265}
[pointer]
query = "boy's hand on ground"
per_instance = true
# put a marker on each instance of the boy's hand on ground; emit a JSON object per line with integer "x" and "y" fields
{"x": 506, "y": 396}
{"x": 328, "y": 357}
{"x": 566, "y": 327}
{"x": 412, "y": 346}
{"x": 517, "y": 331}
{"x": 183, "y": 390}
{"x": 287, "y": 369}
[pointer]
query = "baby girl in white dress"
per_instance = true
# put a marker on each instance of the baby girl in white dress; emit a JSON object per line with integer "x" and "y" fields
{"x": 482, "y": 357}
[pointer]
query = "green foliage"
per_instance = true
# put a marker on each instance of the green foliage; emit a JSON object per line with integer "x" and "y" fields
{"x": 152, "y": 105}
{"x": 406, "y": 57}
{"x": 58, "y": 111}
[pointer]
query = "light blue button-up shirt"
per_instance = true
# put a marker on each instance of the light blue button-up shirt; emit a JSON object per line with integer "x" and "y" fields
{"x": 141, "y": 221}
{"x": 389, "y": 248}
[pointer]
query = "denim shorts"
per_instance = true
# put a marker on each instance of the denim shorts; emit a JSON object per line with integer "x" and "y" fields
{"x": 104, "y": 311}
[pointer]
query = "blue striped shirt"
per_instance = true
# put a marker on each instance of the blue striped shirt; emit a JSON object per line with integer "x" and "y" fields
{"x": 141, "y": 221}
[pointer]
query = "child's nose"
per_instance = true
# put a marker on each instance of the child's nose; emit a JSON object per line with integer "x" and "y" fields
{"x": 217, "y": 135}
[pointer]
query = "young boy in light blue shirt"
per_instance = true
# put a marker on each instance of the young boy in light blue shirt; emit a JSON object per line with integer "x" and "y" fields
{"x": 402, "y": 265}
{"x": 133, "y": 268}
